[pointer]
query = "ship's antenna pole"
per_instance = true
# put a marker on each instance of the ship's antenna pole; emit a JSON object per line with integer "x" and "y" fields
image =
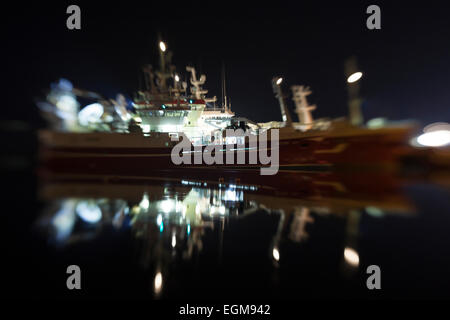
{"x": 162, "y": 52}
{"x": 223, "y": 85}
{"x": 354, "y": 100}
{"x": 285, "y": 115}
{"x": 224, "y": 88}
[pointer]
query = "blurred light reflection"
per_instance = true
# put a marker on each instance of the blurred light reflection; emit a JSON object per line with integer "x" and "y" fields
{"x": 89, "y": 212}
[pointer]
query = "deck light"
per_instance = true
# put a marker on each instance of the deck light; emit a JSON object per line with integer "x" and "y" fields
{"x": 435, "y": 135}
{"x": 162, "y": 46}
{"x": 354, "y": 77}
{"x": 276, "y": 254}
{"x": 437, "y": 138}
{"x": 351, "y": 256}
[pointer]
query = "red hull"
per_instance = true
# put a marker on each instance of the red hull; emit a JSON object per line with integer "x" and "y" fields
{"x": 371, "y": 149}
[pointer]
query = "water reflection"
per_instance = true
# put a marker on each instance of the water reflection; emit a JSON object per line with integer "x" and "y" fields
{"x": 170, "y": 218}
{"x": 69, "y": 220}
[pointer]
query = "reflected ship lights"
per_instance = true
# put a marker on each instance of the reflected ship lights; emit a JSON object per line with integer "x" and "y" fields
{"x": 173, "y": 220}
{"x": 158, "y": 283}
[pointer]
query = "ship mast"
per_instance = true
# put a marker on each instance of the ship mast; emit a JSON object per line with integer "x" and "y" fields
{"x": 285, "y": 115}
{"x": 162, "y": 59}
{"x": 196, "y": 90}
{"x": 354, "y": 99}
{"x": 224, "y": 90}
{"x": 166, "y": 70}
{"x": 303, "y": 109}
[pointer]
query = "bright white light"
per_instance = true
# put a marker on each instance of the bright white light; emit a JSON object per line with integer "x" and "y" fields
{"x": 438, "y": 138}
{"x": 162, "y": 46}
{"x": 145, "y": 203}
{"x": 166, "y": 206}
{"x": 279, "y": 81}
{"x": 179, "y": 206}
{"x": 174, "y": 240}
{"x": 233, "y": 195}
{"x": 89, "y": 212}
{"x": 67, "y": 103}
{"x": 276, "y": 254}
{"x": 354, "y": 77}
{"x": 351, "y": 256}
{"x": 158, "y": 282}
{"x": 145, "y": 128}
{"x": 159, "y": 219}
{"x": 64, "y": 220}
{"x": 177, "y": 78}
{"x": 90, "y": 114}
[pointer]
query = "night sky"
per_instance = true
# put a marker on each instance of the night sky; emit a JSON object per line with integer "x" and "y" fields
{"x": 406, "y": 64}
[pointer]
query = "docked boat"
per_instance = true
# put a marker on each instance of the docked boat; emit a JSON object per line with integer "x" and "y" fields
{"x": 113, "y": 136}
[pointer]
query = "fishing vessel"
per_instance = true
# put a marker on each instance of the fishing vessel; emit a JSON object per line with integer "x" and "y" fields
{"x": 113, "y": 136}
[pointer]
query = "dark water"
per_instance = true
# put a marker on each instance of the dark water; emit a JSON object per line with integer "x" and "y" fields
{"x": 225, "y": 235}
